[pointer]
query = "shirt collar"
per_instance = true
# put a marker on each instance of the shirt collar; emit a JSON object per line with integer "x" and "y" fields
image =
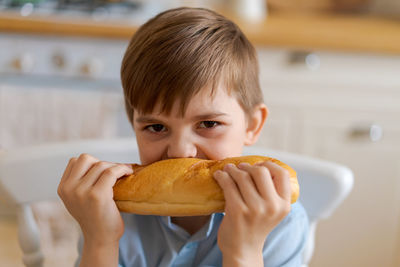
{"x": 203, "y": 233}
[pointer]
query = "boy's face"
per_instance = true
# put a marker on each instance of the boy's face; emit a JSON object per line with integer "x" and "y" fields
{"x": 211, "y": 128}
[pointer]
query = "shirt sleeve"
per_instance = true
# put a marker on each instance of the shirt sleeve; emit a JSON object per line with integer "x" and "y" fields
{"x": 285, "y": 244}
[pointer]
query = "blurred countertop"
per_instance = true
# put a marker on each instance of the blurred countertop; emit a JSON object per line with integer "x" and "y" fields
{"x": 335, "y": 32}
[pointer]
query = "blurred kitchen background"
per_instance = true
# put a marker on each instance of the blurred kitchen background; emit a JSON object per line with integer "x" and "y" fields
{"x": 330, "y": 72}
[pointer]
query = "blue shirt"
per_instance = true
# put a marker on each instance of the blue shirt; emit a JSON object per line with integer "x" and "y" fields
{"x": 155, "y": 241}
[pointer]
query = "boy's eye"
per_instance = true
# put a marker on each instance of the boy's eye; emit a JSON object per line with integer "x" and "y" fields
{"x": 209, "y": 124}
{"x": 156, "y": 128}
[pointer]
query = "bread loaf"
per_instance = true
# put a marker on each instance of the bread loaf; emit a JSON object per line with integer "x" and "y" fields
{"x": 181, "y": 187}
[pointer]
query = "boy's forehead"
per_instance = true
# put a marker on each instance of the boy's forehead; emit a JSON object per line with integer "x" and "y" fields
{"x": 206, "y": 100}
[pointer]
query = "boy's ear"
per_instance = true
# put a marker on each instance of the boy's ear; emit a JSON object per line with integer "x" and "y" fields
{"x": 255, "y": 124}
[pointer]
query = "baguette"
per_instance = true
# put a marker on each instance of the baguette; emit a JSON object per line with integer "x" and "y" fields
{"x": 181, "y": 187}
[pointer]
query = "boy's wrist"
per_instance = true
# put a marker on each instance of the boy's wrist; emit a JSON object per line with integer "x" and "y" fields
{"x": 93, "y": 244}
{"x": 242, "y": 258}
{"x": 100, "y": 240}
{"x": 251, "y": 259}
{"x": 99, "y": 254}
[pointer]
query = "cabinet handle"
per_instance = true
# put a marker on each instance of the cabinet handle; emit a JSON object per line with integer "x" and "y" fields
{"x": 92, "y": 67}
{"x": 373, "y": 132}
{"x": 303, "y": 58}
{"x": 23, "y": 63}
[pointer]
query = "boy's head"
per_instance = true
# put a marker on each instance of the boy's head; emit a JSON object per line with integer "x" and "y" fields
{"x": 183, "y": 53}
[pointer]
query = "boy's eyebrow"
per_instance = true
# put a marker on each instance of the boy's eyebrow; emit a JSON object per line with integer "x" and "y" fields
{"x": 147, "y": 119}
{"x": 209, "y": 115}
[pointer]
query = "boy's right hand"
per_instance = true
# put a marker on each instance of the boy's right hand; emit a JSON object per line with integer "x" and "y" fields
{"x": 86, "y": 189}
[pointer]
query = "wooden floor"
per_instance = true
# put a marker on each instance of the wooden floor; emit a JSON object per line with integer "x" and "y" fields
{"x": 10, "y": 253}
{"x": 59, "y": 249}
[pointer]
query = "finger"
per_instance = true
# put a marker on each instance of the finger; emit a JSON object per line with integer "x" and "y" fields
{"x": 82, "y": 166}
{"x": 281, "y": 179}
{"x": 64, "y": 179}
{"x": 68, "y": 169}
{"x": 265, "y": 183}
{"x": 90, "y": 178}
{"x": 109, "y": 177}
{"x": 261, "y": 178}
{"x": 245, "y": 184}
{"x": 232, "y": 195}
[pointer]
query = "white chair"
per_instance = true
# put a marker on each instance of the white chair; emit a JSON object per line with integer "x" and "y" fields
{"x": 32, "y": 174}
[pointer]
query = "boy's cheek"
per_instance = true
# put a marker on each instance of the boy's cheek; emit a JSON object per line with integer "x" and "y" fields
{"x": 149, "y": 152}
{"x": 220, "y": 151}
{"x": 228, "y": 144}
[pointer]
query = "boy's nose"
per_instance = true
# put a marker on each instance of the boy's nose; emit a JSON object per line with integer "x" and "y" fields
{"x": 181, "y": 148}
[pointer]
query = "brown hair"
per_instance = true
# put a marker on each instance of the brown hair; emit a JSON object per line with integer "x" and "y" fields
{"x": 180, "y": 51}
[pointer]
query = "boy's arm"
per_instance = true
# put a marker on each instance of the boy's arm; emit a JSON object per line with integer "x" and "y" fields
{"x": 86, "y": 188}
{"x": 82, "y": 262}
{"x": 93, "y": 255}
{"x": 257, "y": 199}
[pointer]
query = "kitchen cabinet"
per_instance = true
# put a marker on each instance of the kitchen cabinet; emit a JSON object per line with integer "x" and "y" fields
{"x": 368, "y": 222}
{"x": 341, "y": 32}
{"x": 344, "y": 108}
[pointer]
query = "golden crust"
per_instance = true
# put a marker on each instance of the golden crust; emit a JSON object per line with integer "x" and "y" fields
{"x": 181, "y": 187}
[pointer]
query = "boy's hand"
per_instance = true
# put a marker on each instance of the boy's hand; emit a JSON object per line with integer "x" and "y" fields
{"x": 86, "y": 189}
{"x": 257, "y": 198}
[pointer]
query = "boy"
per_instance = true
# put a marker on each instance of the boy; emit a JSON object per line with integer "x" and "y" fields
{"x": 191, "y": 86}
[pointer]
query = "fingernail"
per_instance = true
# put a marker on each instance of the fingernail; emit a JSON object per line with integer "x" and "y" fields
{"x": 129, "y": 166}
{"x": 243, "y": 164}
{"x": 228, "y": 166}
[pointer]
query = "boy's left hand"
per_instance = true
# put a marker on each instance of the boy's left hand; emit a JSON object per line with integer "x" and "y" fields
{"x": 257, "y": 198}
